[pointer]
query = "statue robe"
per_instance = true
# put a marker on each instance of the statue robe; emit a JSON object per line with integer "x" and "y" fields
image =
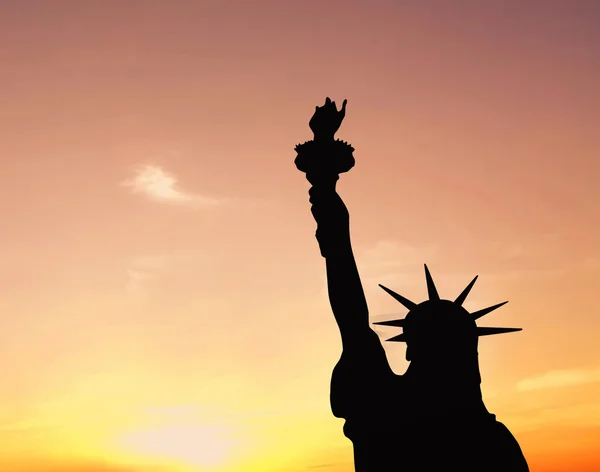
{"x": 393, "y": 427}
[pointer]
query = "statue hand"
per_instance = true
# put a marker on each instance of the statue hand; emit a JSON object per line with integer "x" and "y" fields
{"x": 327, "y": 120}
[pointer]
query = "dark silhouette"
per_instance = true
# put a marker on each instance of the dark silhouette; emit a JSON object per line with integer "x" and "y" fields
{"x": 431, "y": 418}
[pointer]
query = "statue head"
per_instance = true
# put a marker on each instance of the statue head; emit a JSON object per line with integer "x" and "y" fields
{"x": 439, "y": 329}
{"x": 441, "y": 336}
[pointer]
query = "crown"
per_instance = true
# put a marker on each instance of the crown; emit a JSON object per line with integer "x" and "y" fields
{"x": 433, "y": 296}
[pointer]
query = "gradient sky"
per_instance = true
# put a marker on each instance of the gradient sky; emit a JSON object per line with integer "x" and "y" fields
{"x": 163, "y": 303}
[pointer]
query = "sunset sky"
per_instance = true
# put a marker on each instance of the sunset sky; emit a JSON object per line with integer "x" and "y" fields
{"x": 163, "y": 303}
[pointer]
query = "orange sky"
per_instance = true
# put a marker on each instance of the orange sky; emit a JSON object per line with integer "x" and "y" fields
{"x": 163, "y": 303}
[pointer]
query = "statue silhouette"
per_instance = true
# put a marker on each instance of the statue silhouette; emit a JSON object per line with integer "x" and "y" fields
{"x": 431, "y": 418}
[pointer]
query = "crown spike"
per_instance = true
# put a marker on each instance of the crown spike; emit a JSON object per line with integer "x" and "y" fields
{"x": 398, "y": 339}
{"x": 406, "y": 302}
{"x": 431, "y": 290}
{"x": 487, "y": 331}
{"x": 478, "y": 314}
{"x": 465, "y": 293}
{"x": 398, "y": 323}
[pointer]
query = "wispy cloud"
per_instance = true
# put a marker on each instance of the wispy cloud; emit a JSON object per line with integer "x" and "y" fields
{"x": 157, "y": 184}
{"x": 197, "y": 413}
{"x": 203, "y": 445}
{"x": 394, "y": 259}
{"x": 560, "y": 378}
{"x": 581, "y": 415}
{"x": 391, "y": 263}
{"x": 136, "y": 282}
{"x": 526, "y": 274}
{"x": 397, "y": 262}
{"x": 144, "y": 269}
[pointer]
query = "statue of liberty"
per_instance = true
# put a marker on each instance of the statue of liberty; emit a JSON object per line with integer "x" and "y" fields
{"x": 432, "y": 417}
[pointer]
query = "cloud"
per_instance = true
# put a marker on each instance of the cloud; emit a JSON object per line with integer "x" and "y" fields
{"x": 560, "y": 378}
{"x": 158, "y": 185}
{"x": 526, "y": 274}
{"x": 581, "y": 415}
{"x": 143, "y": 270}
{"x": 393, "y": 262}
{"x": 199, "y": 414}
{"x": 394, "y": 255}
{"x": 200, "y": 445}
{"x": 136, "y": 282}
{"x": 399, "y": 266}
{"x": 396, "y": 263}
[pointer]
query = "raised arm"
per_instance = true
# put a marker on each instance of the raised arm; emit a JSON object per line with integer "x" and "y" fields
{"x": 346, "y": 293}
{"x": 363, "y": 361}
{"x": 323, "y": 159}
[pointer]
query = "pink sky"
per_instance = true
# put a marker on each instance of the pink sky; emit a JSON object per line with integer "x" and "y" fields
{"x": 158, "y": 252}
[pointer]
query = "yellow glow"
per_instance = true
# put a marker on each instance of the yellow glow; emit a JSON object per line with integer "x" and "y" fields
{"x": 206, "y": 446}
{"x": 164, "y": 305}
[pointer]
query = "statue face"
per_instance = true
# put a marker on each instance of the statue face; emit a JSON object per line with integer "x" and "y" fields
{"x": 439, "y": 332}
